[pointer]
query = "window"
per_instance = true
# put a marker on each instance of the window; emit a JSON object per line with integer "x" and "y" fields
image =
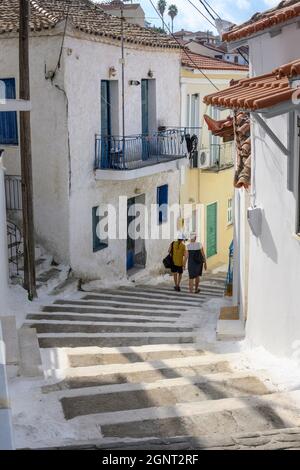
{"x": 188, "y": 110}
{"x": 229, "y": 212}
{"x": 100, "y": 240}
{"x": 215, "y": 141}
{"x": 195, "y": 110}
{"x": 236, "y": 59}
{"x": 162, "y": 202}
{"x": 8, "y": 120}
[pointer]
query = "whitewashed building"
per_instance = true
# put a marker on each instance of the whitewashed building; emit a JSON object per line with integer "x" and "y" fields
{"x": 267, "y": 271}
{"x": 81, "y": 160}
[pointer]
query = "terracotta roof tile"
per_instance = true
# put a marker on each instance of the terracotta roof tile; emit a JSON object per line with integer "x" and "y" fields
{"x": 208, "y": 63}
{"x": 285, "y": 11}
{"x": 236, "y": 128}
{"x": 85, "y": 16}
{"x": 260, "y": 92}
{"x": 223, "y": 128}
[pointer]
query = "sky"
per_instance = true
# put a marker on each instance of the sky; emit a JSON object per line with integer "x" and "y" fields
{"x": 236, "y": 11}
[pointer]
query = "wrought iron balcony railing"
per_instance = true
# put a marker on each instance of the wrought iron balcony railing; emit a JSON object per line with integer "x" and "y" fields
{"x": 138, "y": 151}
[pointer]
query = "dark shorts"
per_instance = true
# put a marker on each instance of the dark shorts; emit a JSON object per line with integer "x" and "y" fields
{"x": 177, "y": 269}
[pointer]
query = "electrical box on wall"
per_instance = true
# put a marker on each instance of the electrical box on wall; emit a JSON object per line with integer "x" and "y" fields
{"x": 254, "y": 215}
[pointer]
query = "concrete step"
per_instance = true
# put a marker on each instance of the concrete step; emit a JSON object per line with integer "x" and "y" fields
{"x": 138, "y": 372}
{"x": 209, "y": 417}
{"x": 84, "y": 360}
{"x": 147, "y": 304}
{"x": 73, "y": 340}
{"x": 137, "y": 300}
{"x": 94, "y": 318}
{"x": 163, "y": 393}
{"x": 274, "y": 439}
{"x": 150, "y": 294}
{"x": 48, "y": 326}
{"x": 48, "y": 276}
{"x": 112, "y": 310}
{"x": 184, "y": 290}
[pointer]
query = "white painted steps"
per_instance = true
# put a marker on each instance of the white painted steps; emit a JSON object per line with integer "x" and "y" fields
{"x": 124, "y": 364}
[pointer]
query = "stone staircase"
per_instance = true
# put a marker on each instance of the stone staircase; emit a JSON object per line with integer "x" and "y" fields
{"x": 130, "y": 372}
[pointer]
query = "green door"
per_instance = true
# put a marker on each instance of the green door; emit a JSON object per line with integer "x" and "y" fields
{"x": 211, "y": 230}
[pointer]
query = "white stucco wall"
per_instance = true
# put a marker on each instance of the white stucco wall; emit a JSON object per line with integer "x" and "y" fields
{"x": 83, "y": 90}
{"x": 49, "y": 140}
{"x": 66, "y": 116}
{"x": 274, "y": 272}
{"x": 241, "y": 252}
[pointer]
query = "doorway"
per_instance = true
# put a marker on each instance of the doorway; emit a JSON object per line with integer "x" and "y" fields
{"x": 211, "y": 230}
{"x": 136, "y": 250}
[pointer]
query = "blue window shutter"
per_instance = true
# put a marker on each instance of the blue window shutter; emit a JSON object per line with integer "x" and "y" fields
{"x": 8, "y": 120}
{"x": 162, "y": 201}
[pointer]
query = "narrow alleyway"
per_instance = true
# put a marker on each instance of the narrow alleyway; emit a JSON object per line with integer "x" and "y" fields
{"x": 124, "y": 366}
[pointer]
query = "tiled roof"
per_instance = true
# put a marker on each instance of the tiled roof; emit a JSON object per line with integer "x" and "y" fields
{"x": 223, "y": 128}
{"x": 238, "y": 128}
{"x": 264, "y": 91}
{"x": 85, "y": 16}
{"x": 208, "y": 63}
{"x": 242, "y": 177}
{"x": 286, "y": 10}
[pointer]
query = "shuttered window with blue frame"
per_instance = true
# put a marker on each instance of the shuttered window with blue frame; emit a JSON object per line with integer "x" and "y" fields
{"x": 162, "y": 201}
{"x": 8, "y": 120}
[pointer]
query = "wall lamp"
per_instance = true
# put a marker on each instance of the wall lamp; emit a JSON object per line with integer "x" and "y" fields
{"x": 134, "y": 82}
{"x": 112, "y": 72}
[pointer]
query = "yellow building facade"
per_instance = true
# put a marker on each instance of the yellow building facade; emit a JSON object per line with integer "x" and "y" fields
{"x": 207, "y": 192}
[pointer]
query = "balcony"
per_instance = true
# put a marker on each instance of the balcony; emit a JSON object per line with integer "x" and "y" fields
{"x": 129, "y": 157}
{"x": 216, "y": 157}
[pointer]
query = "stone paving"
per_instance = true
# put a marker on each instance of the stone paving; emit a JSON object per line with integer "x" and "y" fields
{"x": 131, "y": 370}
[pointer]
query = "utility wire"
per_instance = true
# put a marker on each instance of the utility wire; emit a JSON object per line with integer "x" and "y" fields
{"x": 207, "y": 9}
{"x": 183, "y": 48}
{"x": 199, "y": 11}
{"x": 214, "y": 11}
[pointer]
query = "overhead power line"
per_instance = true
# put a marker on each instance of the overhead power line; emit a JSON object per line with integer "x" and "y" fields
{"x": 207, "y": 9}
{"x": 183, "y": 48}
{"x": 206, "y": 5}
{"x": 214, "y": 11}
{"x": 199, "y": 11}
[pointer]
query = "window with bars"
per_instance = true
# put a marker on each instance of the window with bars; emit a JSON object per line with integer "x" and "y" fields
{"x": 8, "y": 120}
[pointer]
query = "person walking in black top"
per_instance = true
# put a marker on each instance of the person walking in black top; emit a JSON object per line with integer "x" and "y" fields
{"x": 196, "y": 261}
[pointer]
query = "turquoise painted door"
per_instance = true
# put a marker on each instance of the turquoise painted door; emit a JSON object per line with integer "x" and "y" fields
{"x": 211, "y": 230}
